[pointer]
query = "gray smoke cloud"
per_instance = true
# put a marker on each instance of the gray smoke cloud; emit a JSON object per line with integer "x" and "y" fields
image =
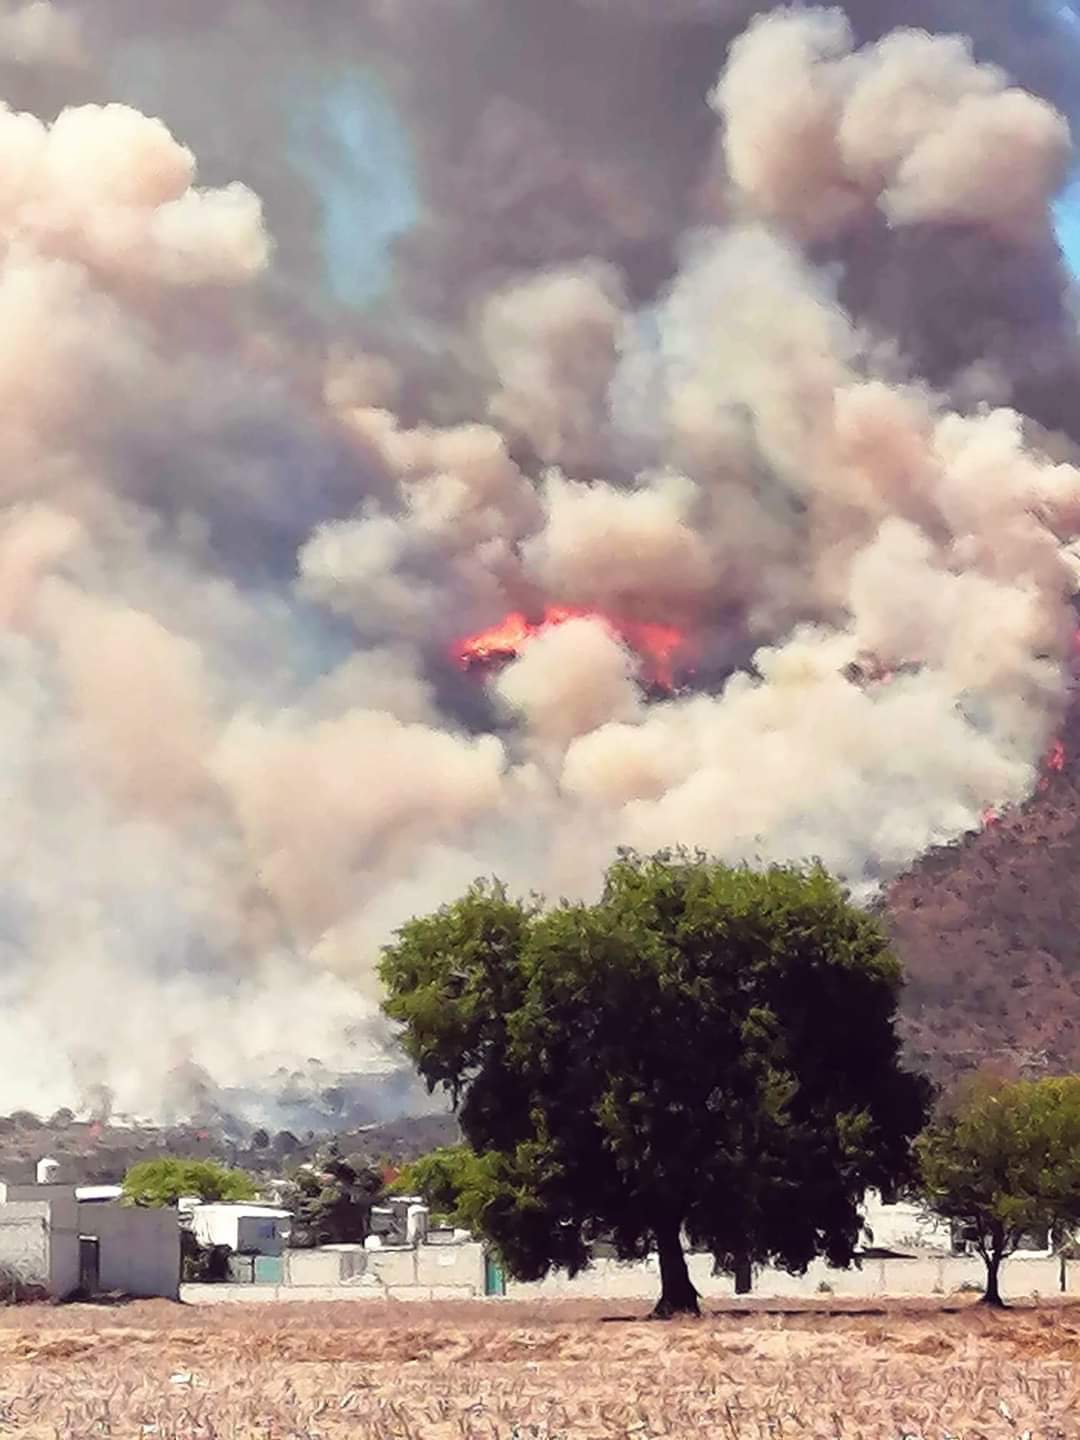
{"x": 685, "y": 349}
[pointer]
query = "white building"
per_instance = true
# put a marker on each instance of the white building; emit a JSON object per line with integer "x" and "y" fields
{"x": 902, "y": 1226}
{"x": 905, "y": 1227}
{"x": 52, "y": 1241}
{"x": 246, "y": 1229}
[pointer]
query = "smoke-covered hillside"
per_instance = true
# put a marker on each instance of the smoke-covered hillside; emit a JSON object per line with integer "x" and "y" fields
{"x": 725, "y": 363}
{"x": 987, "y": 930}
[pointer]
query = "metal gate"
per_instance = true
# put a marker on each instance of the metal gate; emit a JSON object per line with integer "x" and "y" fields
{"x": 89, "y": 1264}
{"x": 494, "y": 1276}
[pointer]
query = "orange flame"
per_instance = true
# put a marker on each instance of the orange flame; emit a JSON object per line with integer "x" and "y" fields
{"x": 1053, "y": 764}
{"x": 657, "y": 645}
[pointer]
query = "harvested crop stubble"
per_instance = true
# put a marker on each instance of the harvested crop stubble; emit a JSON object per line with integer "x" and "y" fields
{"x": 448, "y": 1372}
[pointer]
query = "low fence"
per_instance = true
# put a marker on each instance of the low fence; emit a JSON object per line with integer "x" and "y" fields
{"x": 460, "y": 1272}
{"x": 924, "y": 1275}
{"x": 348, "y": 1272}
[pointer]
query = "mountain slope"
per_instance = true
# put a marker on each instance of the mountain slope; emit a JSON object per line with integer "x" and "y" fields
{"x": 988, "y": 933}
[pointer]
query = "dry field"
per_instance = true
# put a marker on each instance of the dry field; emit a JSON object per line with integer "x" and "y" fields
{"x": 470, "y": 1372}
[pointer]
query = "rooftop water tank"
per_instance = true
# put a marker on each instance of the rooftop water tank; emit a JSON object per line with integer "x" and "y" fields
{"x": 48, "y": 1171}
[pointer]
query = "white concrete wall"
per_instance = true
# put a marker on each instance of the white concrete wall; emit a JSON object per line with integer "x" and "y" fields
{"x": 269, "y": 1294}
{"x": 395, "y": 1269}
{"x": 922, "y": 1276}
{"x": 457, "y": 1272}
{"x": 926, "y": 1277}
{"x": 139, "y": 1249}
{"x": 61, "y": 1264}
{"x": 422, "y": 1273}
{"x": 353, "y": 1259}
{"x": 39, "y": 1238}
{"x": 452, "y": 1267}
{"x": 63, "y": 1245}
{"x": 430, "y": 1272}
{"x": 24, "y": 1241}
{"x": 313, "y": 1267}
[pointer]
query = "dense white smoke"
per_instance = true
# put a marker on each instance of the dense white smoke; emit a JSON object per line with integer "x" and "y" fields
{"x": 35, "y": 32}
{"x": 237, "y": 553}
{"x": 911, "y": 124}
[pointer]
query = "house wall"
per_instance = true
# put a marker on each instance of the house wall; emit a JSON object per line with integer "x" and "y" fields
{"x": 59, "y": 1265}
{"x": 63, "y": 1245}
{"x": 256, "y": 1229}
{"x": 139, "y": 1249}
{"x": 215, "y": 1225}
{"x": 39, "y": 1237}
{"x": 33, "y": 1191}
{"x": 24, "y": 1241}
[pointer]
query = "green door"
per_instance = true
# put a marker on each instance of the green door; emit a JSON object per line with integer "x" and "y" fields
{"x": 494, "y": 1278}
{"x": 269, "y": 1270}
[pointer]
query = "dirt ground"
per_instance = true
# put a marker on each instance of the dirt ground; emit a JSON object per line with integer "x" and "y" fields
{"x": 554, "y": 1372}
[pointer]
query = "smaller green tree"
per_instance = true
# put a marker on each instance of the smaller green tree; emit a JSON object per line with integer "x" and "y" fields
{"x": 331, "y": 1200}
{"x": 454, "y": 1182}
{"x": 1004, "y": 1161}
{"x": 163, "y": 1182}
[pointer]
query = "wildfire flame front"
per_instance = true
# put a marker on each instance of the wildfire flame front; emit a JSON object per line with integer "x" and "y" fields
{"x": 659, "y": 647}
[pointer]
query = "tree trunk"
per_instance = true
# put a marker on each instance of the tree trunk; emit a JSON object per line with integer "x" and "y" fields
{"x": 677, "y": 1294}
{"x": 744, "y": 1275}
{"x": 993, "y": 1260}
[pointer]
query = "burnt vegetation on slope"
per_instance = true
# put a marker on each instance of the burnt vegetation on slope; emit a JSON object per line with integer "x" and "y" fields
{"x": 987, "y": 932}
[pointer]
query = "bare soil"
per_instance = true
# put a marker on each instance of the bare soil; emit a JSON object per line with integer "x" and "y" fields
{"x": 538, "y": 1372}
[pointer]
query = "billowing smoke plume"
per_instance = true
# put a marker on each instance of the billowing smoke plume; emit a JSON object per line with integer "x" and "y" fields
{"x": 701, "y": 471}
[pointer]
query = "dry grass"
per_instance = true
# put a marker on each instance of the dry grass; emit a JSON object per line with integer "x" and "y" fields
{"x": 475, "y": 1372}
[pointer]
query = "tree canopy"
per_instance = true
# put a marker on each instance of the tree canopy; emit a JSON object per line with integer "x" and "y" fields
{"x": 707, "y": 1051}
{"x": 163, "y": 1182}
{"x": 331, "y": 1200}
{"x": 1004, "y": 1161}
{"x": 453, "y": 1181}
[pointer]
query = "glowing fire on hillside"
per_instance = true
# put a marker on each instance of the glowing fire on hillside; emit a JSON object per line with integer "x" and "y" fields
{"x": 658, "y": 646}
{"x": 1053, "y": 764}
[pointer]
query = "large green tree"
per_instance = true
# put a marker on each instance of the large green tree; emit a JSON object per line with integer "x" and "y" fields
{"x": 1003, "y": 1161}
{"x": 706, "y": 1052}
{"x": 163, "y": 1182}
